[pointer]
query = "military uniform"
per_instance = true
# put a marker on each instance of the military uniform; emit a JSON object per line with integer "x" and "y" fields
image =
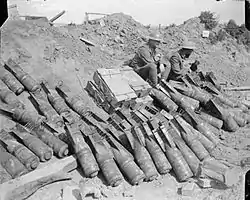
{"x": 144, "y": 64}
{"x": 177, "y": 70}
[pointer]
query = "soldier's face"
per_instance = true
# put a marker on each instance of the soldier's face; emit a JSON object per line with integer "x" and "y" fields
{"x": 154, "y": 43}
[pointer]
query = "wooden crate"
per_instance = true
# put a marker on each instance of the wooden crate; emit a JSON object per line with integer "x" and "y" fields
{"x": 115, "y": 89}
{"x": 140, "y": 86}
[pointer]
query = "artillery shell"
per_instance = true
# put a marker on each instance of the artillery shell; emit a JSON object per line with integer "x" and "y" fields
{"x": 77, "y": 105}
{"x": 190, "y": 157}
{"x": 198, "y": 149}
{"x": 179, "y": 164}
{"x": 208, "y": 144}
{"x": 211, "y": 120}
{"x": 27, "y": 158}
{"x": 205, "y": 130}
{"x": 12, "y": 165}
{"x": 59, "y": 147}
{"x": 38, "y": 147}
{"x": 108, "y": 166}
{"x": 58, "y": 103}
{"x": 239, "y": 119}
{"x": 145, "y": 162}
{"x": 12, "y": 83}
{"x": 160, "y": 160}
{"x": 200, "y": 95}
{"x": 230, "y": 124}
{"x": 26, "y": 117}
{"x": 85, "y": 157}
{"x": 133, "y": 173}
{"x": 29, "y": 83}
{"x": 8, "y": 97}
{"x": 4, "y": 175}
{"x": 51, "y": 115}
{"x": 164, "y": 100}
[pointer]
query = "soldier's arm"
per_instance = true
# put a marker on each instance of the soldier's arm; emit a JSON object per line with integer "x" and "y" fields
{"x": 175, "y": 65}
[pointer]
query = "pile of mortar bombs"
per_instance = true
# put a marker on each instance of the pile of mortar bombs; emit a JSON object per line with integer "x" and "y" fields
{"x": 134, "y": 145}
{"x": 205, "y": 97}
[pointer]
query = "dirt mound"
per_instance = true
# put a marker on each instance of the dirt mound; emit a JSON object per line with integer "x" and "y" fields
{"x": 57, "y": 53}
{"x": 118, "y": 33}
{"x": 217, "y": 58}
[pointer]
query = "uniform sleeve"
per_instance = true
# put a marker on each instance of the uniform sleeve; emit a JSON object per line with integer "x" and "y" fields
{"x": 175, "y": 65}
{"x": 145, "y": 55}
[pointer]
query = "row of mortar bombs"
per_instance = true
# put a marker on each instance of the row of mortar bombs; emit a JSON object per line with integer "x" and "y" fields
{"x": 164, "y": 101}
{"x": 192, "y": 141}
{"x": 123, "y": 158}
{"x": 202, "y": 126}
{"x": 147, "y": 153}
{"x": 173, "y": 154}
{"x": 208, "y": 144}
{"x": 189, "y": 155}
{"x": 183, "y": 155}
{"x": 229, "y": 120}
{"x": 160, "y": 160}
{"x": 74, "y": 101}
{"x": 143, "y": 158}
{"x": 181, "y": 100}
{"x": 231, "y": 102}
{"x": 128, "y": 166}
{"x": 23, "y": 116}
{"x": 155, "y": 151}
{"x": 58, "y": 104}
{"x": 105, "y": 160}
{"x": 219, "y": 97}
{"x": 82, "y": 151}
{"x": 22, "y": 153}
{"x": 43, "y": 151}
{"x": 242, "y": 117}
{"x": 11, "y": 82}
{"x": 59, "y": 147}
{"x": 158, "y": 157}
{"x": 216, "y": 122}
{"x": 48, "y": 111}
{"x": 194, "y": 92}
{"x": 29, "y": 83}
{"x": 11, "y": 164}
{"x": 125, "y": 162}
{"x": 9, "y": 97}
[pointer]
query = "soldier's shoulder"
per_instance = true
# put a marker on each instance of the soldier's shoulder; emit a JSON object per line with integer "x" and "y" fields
{"x": 143, "y": 48}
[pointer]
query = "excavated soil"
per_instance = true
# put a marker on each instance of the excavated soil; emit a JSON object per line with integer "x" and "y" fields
{"x": 57, "y": 54}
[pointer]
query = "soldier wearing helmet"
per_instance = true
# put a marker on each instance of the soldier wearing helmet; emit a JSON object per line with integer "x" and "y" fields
{"x": 146, "y": 60}
{"x": 177, "y": 68}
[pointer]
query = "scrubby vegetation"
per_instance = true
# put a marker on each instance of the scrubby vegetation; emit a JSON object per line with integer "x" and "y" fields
{"x": 208, "y": 18}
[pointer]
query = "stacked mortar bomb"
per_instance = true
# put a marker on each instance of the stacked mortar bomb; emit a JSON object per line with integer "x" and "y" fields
{"x": 165, "y": 146}
{"x": 198, "y": 128}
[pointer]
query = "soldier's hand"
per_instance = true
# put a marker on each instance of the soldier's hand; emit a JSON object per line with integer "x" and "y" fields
{"x": 157, "y": 57}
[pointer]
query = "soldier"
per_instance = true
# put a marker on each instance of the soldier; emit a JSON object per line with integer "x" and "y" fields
{"x": 177, "y": 68}
{"x": 146, "y": 61}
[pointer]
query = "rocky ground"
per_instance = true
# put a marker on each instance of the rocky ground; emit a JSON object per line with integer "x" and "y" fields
{"x": 57, "y": 54}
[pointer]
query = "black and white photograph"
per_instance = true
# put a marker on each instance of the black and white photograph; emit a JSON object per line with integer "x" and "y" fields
{"x": 125, "y": 100}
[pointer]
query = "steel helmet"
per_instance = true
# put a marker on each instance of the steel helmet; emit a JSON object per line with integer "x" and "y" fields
{"x": 154, "y": 36}
{"x": 188, "y": 45}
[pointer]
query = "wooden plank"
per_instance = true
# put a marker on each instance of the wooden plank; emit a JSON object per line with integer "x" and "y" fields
{"x": 57, "y": 16}
{"x": 241, "y": 88}
{"x": 87, "y": 41}
{"x": 24, "y": 186}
